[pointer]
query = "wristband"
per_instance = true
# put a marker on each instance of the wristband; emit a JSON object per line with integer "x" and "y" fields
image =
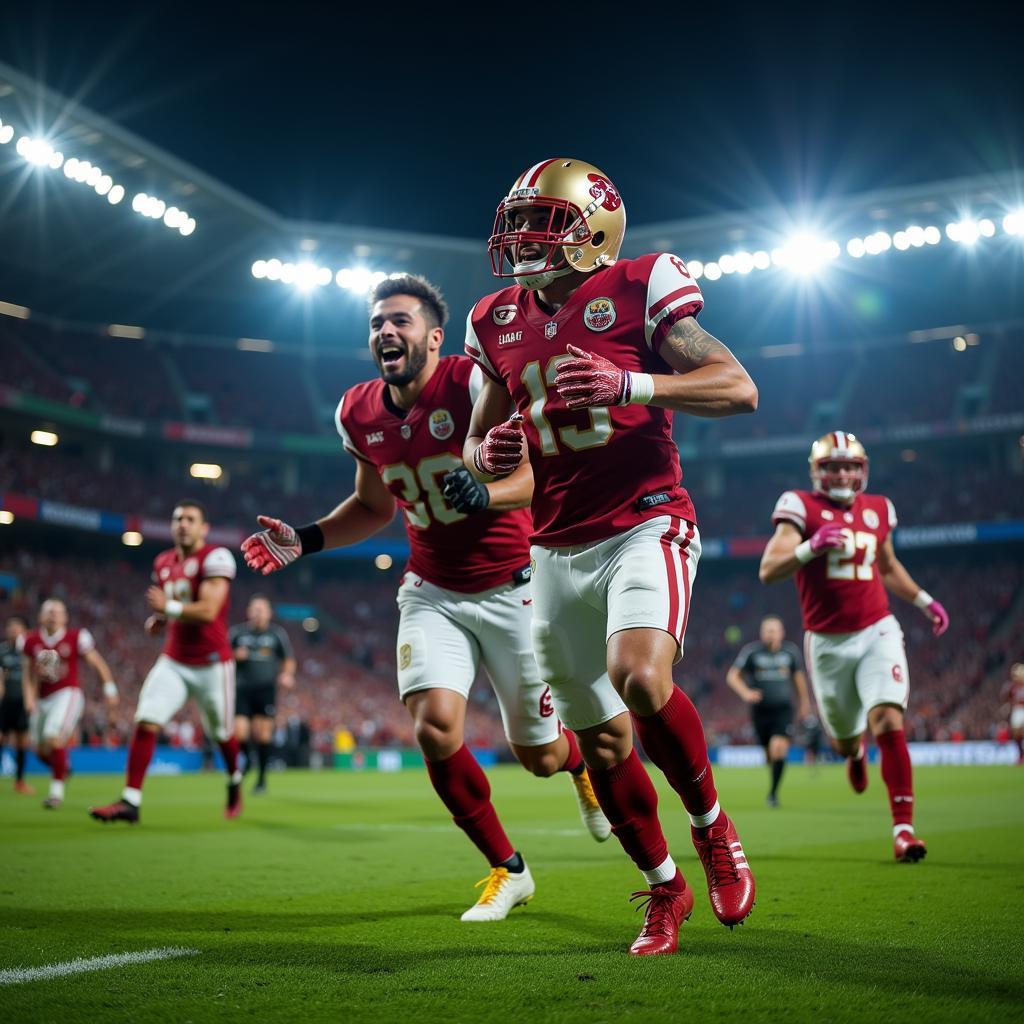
{"x": 804, "y": 553}
{"x": 923, "y": 599}
{"x": 639, "y": 388}
{"x": 110, "y": 688}
{"x": 311, "y": 538}
{"x": 173, "y": 609}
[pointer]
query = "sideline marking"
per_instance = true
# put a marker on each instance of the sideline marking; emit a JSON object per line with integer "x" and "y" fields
{"x": 18, "y": 975}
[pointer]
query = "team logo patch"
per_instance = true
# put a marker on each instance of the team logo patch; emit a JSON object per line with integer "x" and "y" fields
{"x": 406, "y": 431}
{"x": 405, "y": 656}
{"x": 600, "y": 314}
{"x": 164, "y": 573}
{"x": 847, "y": 517}
{"x": 191, "y": 567}
{"x": 502, "y": 315}
{"x": 547, "y": 709}
{"x": 871, "y": 518}
{"x": 442, "y": 426}
{"x": 550, "y": 329}
{"x": 826, "y": 514}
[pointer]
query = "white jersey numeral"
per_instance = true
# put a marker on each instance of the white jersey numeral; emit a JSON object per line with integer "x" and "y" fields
{"x": 424, "y": 482}
{"x": 596, "y": 436}
{"x": 841, "y": 560}
{"x": 178, "y": 590}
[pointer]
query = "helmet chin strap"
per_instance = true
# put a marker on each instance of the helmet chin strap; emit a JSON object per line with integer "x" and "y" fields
{"x": 841, "y": 493}
{"x": 535, "y": 282}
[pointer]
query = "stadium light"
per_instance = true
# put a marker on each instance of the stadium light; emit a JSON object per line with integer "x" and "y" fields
{"x": 856, "y": 247}
{"x": 310, "y": 624}
{"x": 1013, "y": 223}
{"x": 696, "y": 269}
{"x": 46, "y": 438}
{"x": 383, "y": 562}
{"x": 6, "y": 134}
{"x": 115, "y": 195}
{"x": 206, "y": 470}
{"x": 727, "y": 264}
{"x": 6, "y": 518}
{"x": 712, "y": 271}
{"x": 131, "y": 538}
{"x": 805, "y": 254}
{"x": 259, "y": 269}
{"x": 966, "y": 231}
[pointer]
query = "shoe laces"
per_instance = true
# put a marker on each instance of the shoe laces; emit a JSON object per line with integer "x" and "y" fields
{"x": 659, "y": 903}
{"x": 716, "y": 854}
{"x": 494, "y": 883}
{"x": 586, "y": 791}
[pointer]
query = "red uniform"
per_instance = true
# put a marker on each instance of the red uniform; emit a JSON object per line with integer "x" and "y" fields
{"x": 1013, "y": 694}
{"x": 841, "y": 592}
{"x": 199, "y": 643}
{"x": 55, "y": 658}
{"x": 412, "y": 451}
{"x": 608, "y": 459}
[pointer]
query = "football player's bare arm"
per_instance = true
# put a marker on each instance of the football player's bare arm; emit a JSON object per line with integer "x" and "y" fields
{"x": 779, "y": 560}
{"x": 368, "y": 509}
{"x": 28, "y": 685}
{"x": 709, "y": 379}
{"x": 514, "y": 491}
{"x": 102, "y": 669}
{"x": 213, "y": 592}
{"x": 735, "y": 681}
{"x": 492, "y": 407}
{"x": 895, "y": 577}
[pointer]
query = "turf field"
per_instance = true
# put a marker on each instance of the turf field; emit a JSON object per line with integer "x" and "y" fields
{"x": 336, "y": 898}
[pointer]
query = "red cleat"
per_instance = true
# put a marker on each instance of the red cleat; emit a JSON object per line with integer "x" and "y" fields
{"x": 121, "y": 810}
{"x": 21, "y": 786}
{"x": 667, "y": 909}
{"x": 908, "y": 849}
{"x": 730, "y": 880}
{"x": 234, "y": 805}
{"x": 857, "y": 772}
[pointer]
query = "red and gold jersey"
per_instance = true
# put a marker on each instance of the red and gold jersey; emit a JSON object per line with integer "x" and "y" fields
{"x": 412, "y": 450}
{"x": 55, "y": 658}
{"x": 841, "y": 591}
{"x": 1013, "y": 693}
{"x": 591, "y": 468}
{"x": 195, "y": 643}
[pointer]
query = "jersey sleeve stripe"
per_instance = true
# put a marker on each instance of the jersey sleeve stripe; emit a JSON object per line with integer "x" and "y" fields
{"x": 786, "y": 516}
{"x": 476, "y": 357}
{"x": 679, "y": 293}
{"x": 475, "y": 351}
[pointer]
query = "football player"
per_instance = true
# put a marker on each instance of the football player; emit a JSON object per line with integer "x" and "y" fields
{"x": 595, "y": 353}
{"x": 53, "y": 690}
{"x": 13, "y": 716}
{"x": 837, "y": 540}
{"x": 189, "y": 603}
{"x": 1013, "y": 701}
{"x": 464, "y": 597}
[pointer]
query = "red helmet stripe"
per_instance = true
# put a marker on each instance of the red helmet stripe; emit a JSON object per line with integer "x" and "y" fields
{"x": 535, "y": 172}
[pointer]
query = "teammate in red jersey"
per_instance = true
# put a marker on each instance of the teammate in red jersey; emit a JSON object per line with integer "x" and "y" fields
{"x": 838, "y": 542}
{"x": 189, "y": 600}
{"x": 53, "y": 688}
{"x": 596, "y": 354}
{"x": 464, "y": 597}
{"x": 1013, "y": 701}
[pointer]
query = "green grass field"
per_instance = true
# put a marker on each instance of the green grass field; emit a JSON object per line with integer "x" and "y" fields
{"x": 336, "y": 898}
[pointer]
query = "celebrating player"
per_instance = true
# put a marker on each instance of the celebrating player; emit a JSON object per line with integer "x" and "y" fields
{"x": 53, "y": 691}
{"x": 1013, "y": 699}
{"x": 596, "y": 353}
{"x": 764, "y": 676}
{"x": 464, "y": 597}
{"x": 263, "y": 660}
{"x": 189, "y": 602}
{"x": 13, "y": 716}
{"x": 837, "y": 540}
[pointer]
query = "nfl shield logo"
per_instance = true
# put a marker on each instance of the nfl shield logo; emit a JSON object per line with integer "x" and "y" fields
{"x": 406, "y": 431}
{"x": 550, "y": 329}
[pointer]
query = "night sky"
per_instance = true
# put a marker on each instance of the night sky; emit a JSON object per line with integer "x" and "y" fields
{"x": 422, "y": 121}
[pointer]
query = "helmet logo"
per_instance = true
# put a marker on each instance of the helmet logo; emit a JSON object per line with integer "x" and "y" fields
{"x": 604, "y": 191}
{"x": 502, "y": 315}
{"x": 599, "y": 314}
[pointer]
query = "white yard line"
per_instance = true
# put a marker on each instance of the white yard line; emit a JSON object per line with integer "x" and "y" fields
{"x": 444, "y": 829}
{"x": 18, "y": 975}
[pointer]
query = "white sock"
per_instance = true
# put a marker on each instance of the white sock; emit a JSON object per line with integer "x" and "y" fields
{"x": 703, "y": 820}
{"x": 56, "y": 789}
{"x": 132, "y": 796}
{"x": 664, "y": 872}
{"x": 236, "y": 777}
{"x": 897, "y": 829}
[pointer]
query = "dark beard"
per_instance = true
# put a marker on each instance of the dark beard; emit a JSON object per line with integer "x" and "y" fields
{"x": 414, "y": 363}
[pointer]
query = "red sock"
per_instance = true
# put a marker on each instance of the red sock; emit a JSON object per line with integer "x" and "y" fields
{"x": 229, "y": 748}
{"x": 58, "y": 763}
{"x": 140, "y": 753}
{"x": 673, "y": 738}
{"x": 463, "y": 788}
{"x": 629, "y": 801}
{"x": 897, "y": 775}
{"x": 574, "y": 759}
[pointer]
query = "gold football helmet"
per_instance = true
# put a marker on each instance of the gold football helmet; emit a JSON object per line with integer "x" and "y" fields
{"x": 838, "y": 447}
{"x": 576, "y": 221}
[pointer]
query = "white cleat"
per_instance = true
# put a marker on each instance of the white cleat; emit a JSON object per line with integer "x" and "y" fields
{"x": 590, "y": 810}
{"x": 503, "y": 890}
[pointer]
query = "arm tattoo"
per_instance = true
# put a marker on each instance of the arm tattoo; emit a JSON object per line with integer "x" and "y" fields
{"x": 691, "y": 344}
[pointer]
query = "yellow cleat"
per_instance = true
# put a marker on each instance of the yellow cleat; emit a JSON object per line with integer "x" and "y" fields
{"x": 503, "y": 890}
{"x": 590, "y": 810}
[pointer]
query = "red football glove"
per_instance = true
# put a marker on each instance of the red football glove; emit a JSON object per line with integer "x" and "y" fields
{"x": 502, "y": 448}
{"x": 272, "y": 548}
{"x": 939, "y": 617}
{"x": 827, "y": 537}
{"x": 588, "y": 380}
